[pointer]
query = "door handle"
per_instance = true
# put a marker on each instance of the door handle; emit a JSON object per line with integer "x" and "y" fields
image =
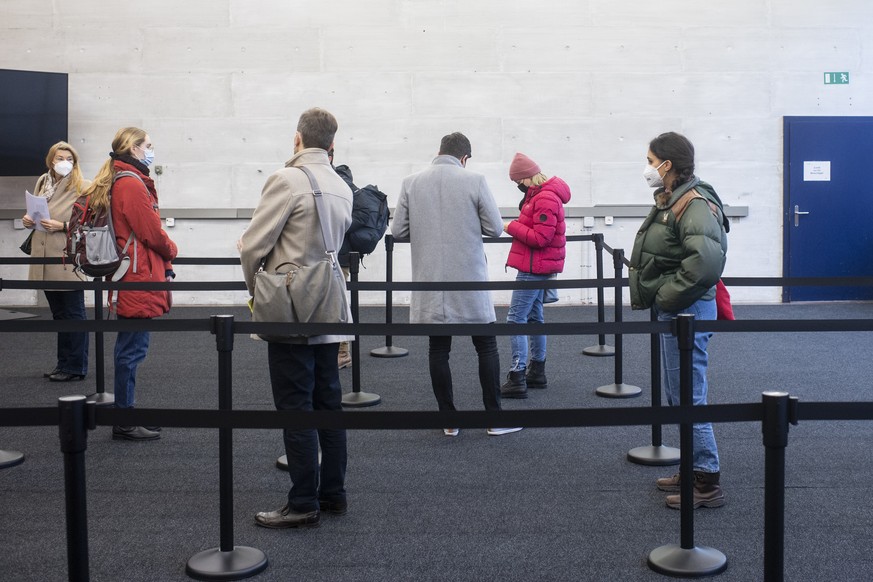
{"x": 797, "y": 214}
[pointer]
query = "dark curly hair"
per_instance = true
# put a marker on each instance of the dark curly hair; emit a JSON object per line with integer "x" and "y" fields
{"x": 680, "y": 151}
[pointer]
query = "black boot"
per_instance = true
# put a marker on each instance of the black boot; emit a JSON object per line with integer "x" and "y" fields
{"x": 536, "y": 375}
{"x": 515, "y": 385}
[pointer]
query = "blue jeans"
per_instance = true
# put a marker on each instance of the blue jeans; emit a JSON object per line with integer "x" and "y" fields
{"x": 306, "y": 377}
{"x": 527, "y": 307}
{"x": 705, "y": 449}
{"x": 441, "y": 373}
{"x": 131, "y": 348}
{"x": 72, "y": 345}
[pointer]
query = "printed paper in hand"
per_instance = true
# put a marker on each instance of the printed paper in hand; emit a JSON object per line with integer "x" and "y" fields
{"x": 37, "y": 209}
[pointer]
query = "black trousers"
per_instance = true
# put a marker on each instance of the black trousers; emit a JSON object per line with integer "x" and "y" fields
{"x": 441, "y": 373}
{"x": 306, "y": 377}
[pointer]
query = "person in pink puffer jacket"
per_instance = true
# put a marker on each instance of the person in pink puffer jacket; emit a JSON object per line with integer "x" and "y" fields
{"x": 537, "y": 252}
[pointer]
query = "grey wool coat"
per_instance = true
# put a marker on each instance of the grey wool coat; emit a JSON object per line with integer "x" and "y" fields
{"x": 285, "y": 226}
{"x": 444, "y": 211}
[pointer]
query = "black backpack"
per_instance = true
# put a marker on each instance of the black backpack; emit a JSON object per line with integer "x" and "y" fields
{"x": 91, "y": 244}
{"x": 369, "y": 220}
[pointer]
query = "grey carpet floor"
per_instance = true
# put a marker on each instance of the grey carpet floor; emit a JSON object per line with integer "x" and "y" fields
{"x": 542, "y": 504}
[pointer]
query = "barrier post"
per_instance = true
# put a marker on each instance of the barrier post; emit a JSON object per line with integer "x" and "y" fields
{"x": 618, "y": 389}
{"x": 686, "y": 560}
{"x": 777, "y": 406}
{"x": 389, "y": 351}
{"x": 656, "y": 454}
{"x": 601, "y": 349}
{"x": 73, "y": 434}
{"x": 356, "y": 398}
{"x": 227, "y": 562}
{"x": 100, "y": 398}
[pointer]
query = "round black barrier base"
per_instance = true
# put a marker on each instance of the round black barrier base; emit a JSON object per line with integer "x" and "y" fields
{"x": 361, "y": 399}
{"x": 654, "y": 456}
{"x": 241, "y": 562}
{"x": 101, "y": 399}
{"x": 619, "y": 391}
{"x": 389, "y": 352}
{"x": 699, "y": 561}
{"x": 599, "y": 351}
{"x": 10, "y": 459}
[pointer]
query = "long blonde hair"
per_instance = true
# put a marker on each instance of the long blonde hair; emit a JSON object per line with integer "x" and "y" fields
{"x": 125, "y": 140}
{"x": 75, "y": 175}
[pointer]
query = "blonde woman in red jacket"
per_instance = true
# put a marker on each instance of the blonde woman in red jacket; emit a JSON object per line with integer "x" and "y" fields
{"x": 134, "y": 203}
{"x": 537, "y": 252}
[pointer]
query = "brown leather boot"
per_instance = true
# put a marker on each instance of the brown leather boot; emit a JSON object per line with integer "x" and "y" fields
{"x": 707, "y": 492}
{"x": 668, "y": 484}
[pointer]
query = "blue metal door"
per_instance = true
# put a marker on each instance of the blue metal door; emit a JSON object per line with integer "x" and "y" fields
{"x": 828, "y": 198}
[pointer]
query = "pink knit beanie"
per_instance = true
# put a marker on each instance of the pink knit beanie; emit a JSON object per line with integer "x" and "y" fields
{"x": 522, "y": 167}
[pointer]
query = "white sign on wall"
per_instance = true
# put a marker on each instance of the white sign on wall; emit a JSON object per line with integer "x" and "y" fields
{"x": 816, "y": 171}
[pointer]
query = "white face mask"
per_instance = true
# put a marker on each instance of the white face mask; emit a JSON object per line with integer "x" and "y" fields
{"x": 63, "y": 168}
{"x": 653, "y": 178}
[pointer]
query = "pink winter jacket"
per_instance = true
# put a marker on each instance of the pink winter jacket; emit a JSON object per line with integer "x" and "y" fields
{"x": 539, "y": 233}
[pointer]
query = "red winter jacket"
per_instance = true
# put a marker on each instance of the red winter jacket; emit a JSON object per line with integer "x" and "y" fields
{"x": 539, "y": 233}
{"x": 135, "y": 207}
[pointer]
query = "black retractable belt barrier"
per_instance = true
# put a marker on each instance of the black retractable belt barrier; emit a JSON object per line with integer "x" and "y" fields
{"x": 779, "y": 410}
{"x": 657, "y": 454}
{"x": 601, "y": 349}
{"x": 356, "y": 398}
{"x": 618, "y": 389}
{"x": 227, "y": 562}
{"x": 73, "y": 431}
{"x": 389, "y": 351}
{"x": 686, "y": 560}
{"x": 100, "y": 398}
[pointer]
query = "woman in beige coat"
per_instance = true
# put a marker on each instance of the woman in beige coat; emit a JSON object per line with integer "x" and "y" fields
{"x": 61, "y": 185}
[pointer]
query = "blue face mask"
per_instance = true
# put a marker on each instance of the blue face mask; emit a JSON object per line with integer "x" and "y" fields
{"x": 149, "y": 157}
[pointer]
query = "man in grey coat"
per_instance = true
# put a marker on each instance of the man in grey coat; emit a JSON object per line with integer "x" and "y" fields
{"x": 285, "y": 229}
{"x": 443, "y": 212}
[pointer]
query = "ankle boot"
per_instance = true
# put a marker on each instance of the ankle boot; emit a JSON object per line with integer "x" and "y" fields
{"x": 707, "y": 492}
{"x": 536, "y": 375}
{"x": 515, "y": 385}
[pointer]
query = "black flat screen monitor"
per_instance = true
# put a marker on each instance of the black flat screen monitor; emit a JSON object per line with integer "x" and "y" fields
{"x": 33, "y": 117}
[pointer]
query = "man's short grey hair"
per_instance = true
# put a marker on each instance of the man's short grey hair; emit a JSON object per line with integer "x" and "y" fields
{"x": 317, "y": 128}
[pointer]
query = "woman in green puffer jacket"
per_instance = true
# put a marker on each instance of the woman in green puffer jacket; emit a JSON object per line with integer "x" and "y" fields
{"x": 678, "y": 257}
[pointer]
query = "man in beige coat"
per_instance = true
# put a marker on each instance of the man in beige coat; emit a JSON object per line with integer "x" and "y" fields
{"x": 285, "y": 228}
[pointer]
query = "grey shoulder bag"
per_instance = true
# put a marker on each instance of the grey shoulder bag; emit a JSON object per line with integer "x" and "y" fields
{"x": 304, "y": 293}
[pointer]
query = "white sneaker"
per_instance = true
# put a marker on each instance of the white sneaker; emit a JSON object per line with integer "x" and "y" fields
{"x": 500, "y": 431}
{"x": 451, "y": 431}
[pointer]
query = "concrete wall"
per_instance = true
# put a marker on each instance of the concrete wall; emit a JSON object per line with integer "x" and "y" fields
{"x": 579, "y": 85}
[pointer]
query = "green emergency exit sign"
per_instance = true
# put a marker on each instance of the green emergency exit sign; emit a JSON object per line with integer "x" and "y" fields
{"x": 836, "y": 78}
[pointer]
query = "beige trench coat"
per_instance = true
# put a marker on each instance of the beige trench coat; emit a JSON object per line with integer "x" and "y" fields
{"x": 51, "y": 244}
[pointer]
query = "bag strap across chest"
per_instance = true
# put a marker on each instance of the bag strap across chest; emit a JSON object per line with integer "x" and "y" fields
{"x": 326, "y": 230}
{"x": 681, "y": 205}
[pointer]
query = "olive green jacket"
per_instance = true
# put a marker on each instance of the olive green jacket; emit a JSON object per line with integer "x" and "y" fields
{"x": 680, "y": 249}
